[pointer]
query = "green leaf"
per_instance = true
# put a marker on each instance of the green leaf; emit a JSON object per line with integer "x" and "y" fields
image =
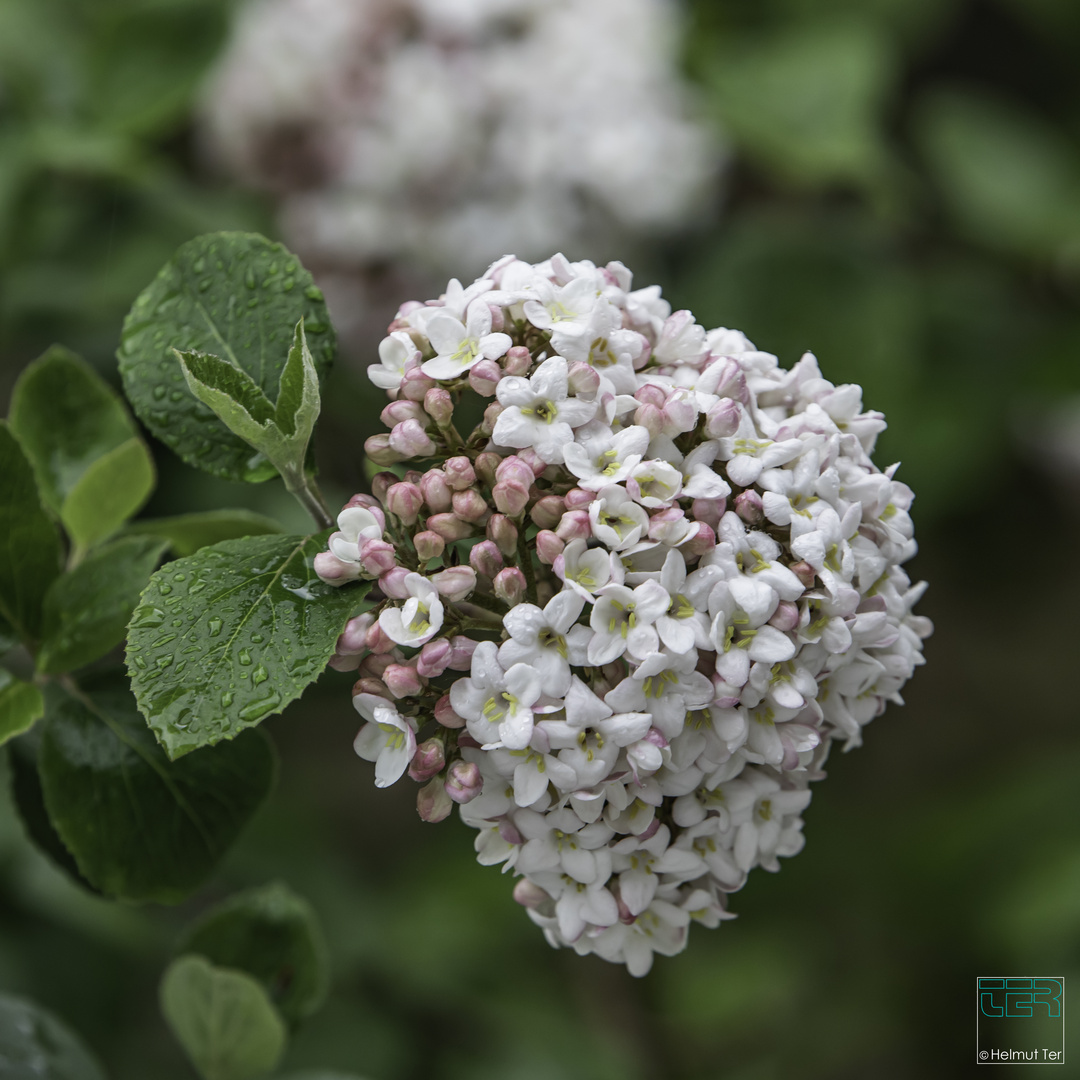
{"x": 29, "y": 545}
{"x": 87, "y": 609}
{"x": 21, "y": 705}
{"x": 187, "y": 533}
{"x": 110, "y": 491}
{"x": 273, "y": 935}
{"x": 236, "y": 296}
{"x": 256, "y": 627}
{"x": 298, "y": 400}
{"x": 142, "y": 827}
{"x": 34, "y": 1045}
{"x": 222, "y": 1018}
{"x": 66, "y": 417}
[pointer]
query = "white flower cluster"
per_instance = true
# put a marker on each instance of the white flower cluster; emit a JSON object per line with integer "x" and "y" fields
{"x": 670, "y": 569}
{"x": 442, "y": 132}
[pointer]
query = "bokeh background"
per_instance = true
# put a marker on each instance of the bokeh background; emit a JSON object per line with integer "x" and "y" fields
{"x": 901, "y": 196}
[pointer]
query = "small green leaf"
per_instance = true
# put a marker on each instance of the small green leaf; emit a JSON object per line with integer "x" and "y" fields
{"x": 187, "y": 533}
{"x": 66, "y": 417}
{"x": 223, "y": 1019}
{"x": 34, "y": 1045}
{"x": 87, "y": 609}
{"x": 273, "y": 935}
{"x": 29, "y": 545}
{"x": 110, "y": 491}
{"x": 236, "y": 296}
{"x": 257, "y": 627}
{"x": 298, "y": 400}
{"x": 142, "y": 827}
{"x": 21, "y": 705}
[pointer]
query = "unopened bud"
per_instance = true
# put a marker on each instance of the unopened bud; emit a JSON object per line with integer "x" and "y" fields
{"x": 579, "y": 499}
{"x": 484, "y": 377}
{"x": 432, "y": 802}
{"x": 335, "y": 571}
{"x": 574, "y": 525}
{"x": 461, "y": 651}
{"x": 583, "y": 379}
{"x": 503, "y": 532}
{"x": 547, "y": 512}
{"x": 439, "y": 405}
{"x": 402, "y": 680}
{"x": 436, "y": 491}
{"x": 415, "y": 385}
{"x": 491, "y": 415}
{"x": 548, "y": 546}
{"x": 378, "y": 643}
{"x": 455, "y": 582}
{"x": 487, "y": 465}
{"x": 515, "y": 470}
{"x": 498, "y": 319}
{"x": 459, "y": 473}
{"x": 463, "y": 781}
{"x": 651, "y": 418}
{"x": 428, "y": 761}
{"x": 670, "y": 526}
{"x": 509, "y": 585}
{"x": 404, "y": 502}
{"x": 392, "y": 583}
{"x": 510, "y": 497}
{"x": 785, "y": 617}
{"x": 369, "y": 685}
{"x": 444, "y": 713}
{"x": 528, "y": 894}
{"x": 409, "y": 439}
{"x": 701, "y": 542}
{"x": 804, "y": 572}
{"x": 450, "y": 526}
{"x": 398, "y": 412}
{"x": 708, "y": 510}
{"x": 377, "y": 556}
{"x": 517, "y": 360}
{"x": 381, "y": 483}
{"x": 434, "y": 658}
{"x": 651, "y": 394}
{"x": 722, "y": 420}
{"x": 469, "y": 505}
{"x": 531, "y": 458}
{"x": 680, "y": 414}
{"x": 373, "y": 666}
{"x": 344, "y": 661}
{"x": 379, "y": 450}
{"x": 368, "y": 502}
{"x": 429, "y": 545}
{"x": 352, "y": 639}
{"x": 485, "y": 558}
{"x": 749, "y": 507}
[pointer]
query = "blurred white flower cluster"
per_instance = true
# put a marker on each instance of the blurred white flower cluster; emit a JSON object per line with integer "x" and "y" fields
{"x": 632, "y": 607}
{"x": 443, "y": 132}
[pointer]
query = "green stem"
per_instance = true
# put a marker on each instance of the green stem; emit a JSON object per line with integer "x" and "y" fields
{"x": 525, "y": 559}
{"x": 306, "y": 492}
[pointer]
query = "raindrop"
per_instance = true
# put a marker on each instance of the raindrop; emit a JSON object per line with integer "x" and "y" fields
{"x": 244, "y": 657}
{"x": 258, "y": 709}
{"x": 159, "y": 393}
{"x": 215, "y": 627}
{"x": 259, "y": 675}
{"x": 148, "y": 616}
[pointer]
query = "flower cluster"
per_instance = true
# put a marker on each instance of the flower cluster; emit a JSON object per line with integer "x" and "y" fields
{"x": 628, "y": 612}
{"x": 438, "y": 133}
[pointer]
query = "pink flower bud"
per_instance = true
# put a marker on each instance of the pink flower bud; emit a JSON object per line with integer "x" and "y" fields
{"x": 548, "y": 512}
{"x": 651, "y": 418}
{"x": 429, "y": 545}
{"x": 432, "y": 802}
{"x": 404, "y": 501}
{"x": 510, "y": 497}
{"x": 680, "y": 414}
{"x": 469, "y": 505}
{"x": 378, "y": 642}
{"x": 528, "y": 894}
{"x": 377, "y": 556}
{"x": 533, "y": 460}
{"x": 668, "y": 526}
{"x": 484, "y": 377}
{"x": 509, "y": 585}
{"x": 335, "y": 571}
{"x": 507, "y": 829}
{"x": 485, "y": 558}
{"x": 368, "y": 502}
{"x": 411, "y": 440}
{"x": 584, "y": 380}
{"x": 459, "y": 473}
{"x": 428, "y": 761}
{"x": 399, "y": 411}
{"x": 722, "y": 420}
{"x": 804, "y": 572}
{"x": 352, "y": 640}
{"x": 700, "y": 542}
{"x": 514, "y": 469}
{"x": 498, "y": 319}
{"x": 486, "y": 465}
{"x": 374, "y": 664}
{"x": 651, "y": 394}
{"x": 503, "y": 532}
{"x": 450, "y": 526}
{"x": 455, "y": 582}
{"x": 461, "y": 651}
{"x": 439, "y": 405}
{"x": 402, "y": 680}
{"x": 344, "y": 661}
{"x": 392, "y": 583}
{"x": 381, "y": 483}
{"x": 748, "y": 506}
{"x": 708, "y": 510}
{"x": 434, "y": 658}
{"x": 574, "y": 525}
{"x": 579, "y": 499}
{"x": 436, "y": 491}
{"x": 517, "y": 360}
{"x": 445, "y": 714}
{"x": 548, "y": 546}
{"x": 785, "y": 617}
{"x": 369, "y": 685}
{"x": 491, "y": 414}
{"x": 415, "y": 385}
{"x": 378, "y": 449}
{"x": 463, "y": 781}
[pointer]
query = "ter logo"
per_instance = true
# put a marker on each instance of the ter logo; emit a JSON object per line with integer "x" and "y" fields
{"x": 1020, "y": 997}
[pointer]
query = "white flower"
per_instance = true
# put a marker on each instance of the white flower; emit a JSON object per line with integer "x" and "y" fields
{"x": 397, "y": 353}
{"x": 582, "y": 569}
{"x": 420, "y": 619}
{"x": 458, "y": 347}
{"x": 497, "y": 704}
{"x": 606, "y": 457}
{"x": 547, "y": 640}
{"x": 355, "y": 525}
{"x": 622, "y": 621}
{"x": 616, "y": 519}
{"x": 389, "y": 739}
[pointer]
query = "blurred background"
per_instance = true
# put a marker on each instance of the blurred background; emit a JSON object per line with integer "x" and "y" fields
{"x": 893, "y": 184}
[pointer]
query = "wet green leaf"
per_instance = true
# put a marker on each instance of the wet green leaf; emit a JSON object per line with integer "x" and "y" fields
{"x": 273, "y": 935}
{"x": 222, "y": 1018}
{"x": 187, "y": 533}
{"x": 236, "y": 296}
{"x": 34, "y": 1045}
{"x": 256, "y": 627}
{"x": 87, "y": 609}
{"x": 21, "y": 705}
{"x": 139, "y": 826}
